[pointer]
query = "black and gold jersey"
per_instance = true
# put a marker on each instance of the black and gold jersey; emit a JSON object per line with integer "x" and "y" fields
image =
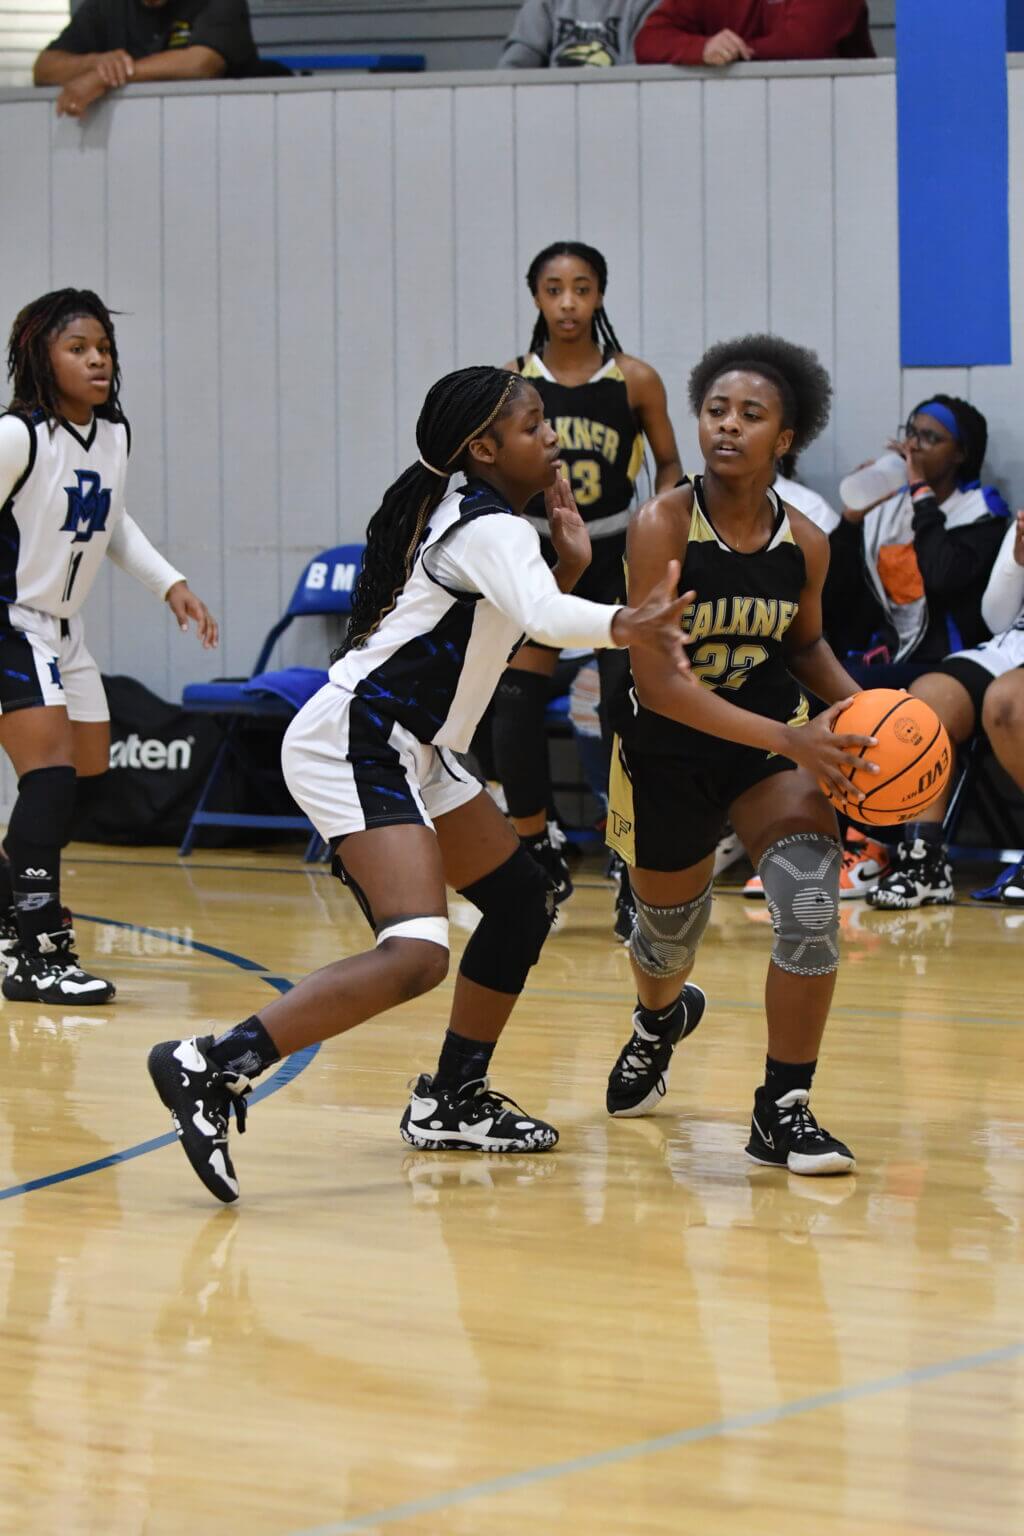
{"x": 599, "y": 439}
{"x": 745, "y": 604}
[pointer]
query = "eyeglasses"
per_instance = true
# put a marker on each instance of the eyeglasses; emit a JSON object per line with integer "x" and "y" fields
{"x": 925, "y": 436}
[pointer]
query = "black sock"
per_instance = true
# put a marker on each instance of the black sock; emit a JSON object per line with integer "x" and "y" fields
{"x": 37, "y": 832}
{"x": 247, "y": 1049}
{"x": 6, "y": 885}
{"x": 781, "y": 1077}
{"x": 929, "y": 832}
{"x": 655, "y": 1021}
{"x": 461, "y": 1061}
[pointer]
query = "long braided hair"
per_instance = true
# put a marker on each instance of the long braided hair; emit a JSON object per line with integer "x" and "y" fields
{"x": 601, "y": 326}
{"x": 28, "y": 351}
{"x": 458, "y": 408}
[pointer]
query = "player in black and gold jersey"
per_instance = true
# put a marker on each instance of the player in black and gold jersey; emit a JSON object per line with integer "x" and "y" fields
{"x": 735, "y": 742}
{"x": 603, "y": 404}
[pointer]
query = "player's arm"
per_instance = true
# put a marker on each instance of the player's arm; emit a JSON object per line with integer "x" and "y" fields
{"x": 15, "y": 454}
{"x": 809, "y": 656}
{"x": 657, "y": 535}
{"x": 649, "y": 401}
{"x": 130, "y": 549}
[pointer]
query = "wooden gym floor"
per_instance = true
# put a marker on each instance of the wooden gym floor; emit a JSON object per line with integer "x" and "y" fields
{"x": 639, "y": 1333}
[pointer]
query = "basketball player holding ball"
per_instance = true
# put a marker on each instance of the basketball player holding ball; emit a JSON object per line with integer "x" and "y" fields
{"x": 736, "y": 744}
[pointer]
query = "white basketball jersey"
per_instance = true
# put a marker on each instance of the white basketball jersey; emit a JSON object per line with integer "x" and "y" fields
{"x": 56, "y": 524}
{"x": 437, "y": 657}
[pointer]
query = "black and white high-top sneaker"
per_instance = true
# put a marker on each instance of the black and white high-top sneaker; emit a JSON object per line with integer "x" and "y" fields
{"x": 51, "y": 973}
{"x": 200, "y": 1097}
{"x": 921, "y": 876}
{"x": 473, "y": 1118}
{"x": 639, "y": 1079}
{"x": 785, "y": 1134}
{"x": 547, "y": 848}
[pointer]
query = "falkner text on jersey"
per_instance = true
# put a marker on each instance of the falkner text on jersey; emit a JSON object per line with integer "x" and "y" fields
{"x": 761, "y": 618}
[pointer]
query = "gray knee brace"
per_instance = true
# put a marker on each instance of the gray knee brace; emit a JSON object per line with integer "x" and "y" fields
{"x": 800, "y": 875}
{"x": 665, "y": 939}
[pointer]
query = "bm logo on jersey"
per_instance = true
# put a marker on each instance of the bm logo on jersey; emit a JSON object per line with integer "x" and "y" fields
{"x": 88, "y": 507}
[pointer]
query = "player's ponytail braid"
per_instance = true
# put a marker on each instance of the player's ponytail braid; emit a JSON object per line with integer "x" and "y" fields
{"x": 28, "y": 352}
{"x": 458, "y": 408}
{"x": 601, "y": 326}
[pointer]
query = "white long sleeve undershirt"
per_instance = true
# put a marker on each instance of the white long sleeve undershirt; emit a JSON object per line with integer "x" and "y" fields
{"x": 1004, "y": 595}
{"x": 500, "y": 557}
{"x": 130, "y": 549}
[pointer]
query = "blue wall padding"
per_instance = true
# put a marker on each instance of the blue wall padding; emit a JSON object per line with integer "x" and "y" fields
{"x": 953, "y": 182}
{"x": 1015, "y": 26}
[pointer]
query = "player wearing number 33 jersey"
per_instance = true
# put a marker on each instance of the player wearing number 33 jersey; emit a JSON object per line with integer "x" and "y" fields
{"x": 61, "y": 511}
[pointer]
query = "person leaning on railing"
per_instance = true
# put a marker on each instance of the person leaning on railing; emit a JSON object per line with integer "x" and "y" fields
{"x": 720, "y": 32}
{"x": 110, "y": 43}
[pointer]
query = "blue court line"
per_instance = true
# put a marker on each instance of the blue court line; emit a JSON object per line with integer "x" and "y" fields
{"x": 286, "y": 1072}
{"x": 598, "y": 1460}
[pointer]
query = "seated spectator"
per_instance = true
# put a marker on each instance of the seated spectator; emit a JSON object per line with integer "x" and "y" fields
{"x": 982, "y": 687}
{"x": 719, "y": 32}
{"x": 571, "y": 33}
{"x": 906, "y": 577}
{"x": 110, "y": 43}
{"x": 803, "y": 498}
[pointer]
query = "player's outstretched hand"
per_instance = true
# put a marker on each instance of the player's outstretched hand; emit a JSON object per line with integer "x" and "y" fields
{"x": 184, "y": 604}
{"x": 817, "y": 748}
{"x": 656, "y": 623}
{"x": 568, "y": 530}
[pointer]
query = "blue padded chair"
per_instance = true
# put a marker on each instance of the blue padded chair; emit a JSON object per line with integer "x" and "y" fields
{"x": 325, "y": 587}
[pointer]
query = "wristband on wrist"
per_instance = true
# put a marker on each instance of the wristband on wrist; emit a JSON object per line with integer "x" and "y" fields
{"x": 921, "y": 491}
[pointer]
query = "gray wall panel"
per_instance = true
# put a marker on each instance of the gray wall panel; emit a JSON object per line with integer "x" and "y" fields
{"x": 801, "y": 219}
{"x": 735, "y": 207}
{"x": 139, "y": 627}
{"x": 998, "y": 392}
{"x": 546, "y": 183}
{"x": 25, "y": 176}
{"x": 296, "y": 265}
{"x": 608, "y": 156}
{"x": 250, "y": 407}
{"x": 192, "y": 368}
{"x": 424, "y": 254}
{"x": 671, "y": 247}
{"x": 365, "y": 444}
{"x": 486, "y": 275}
{"x": 866, "y": 377}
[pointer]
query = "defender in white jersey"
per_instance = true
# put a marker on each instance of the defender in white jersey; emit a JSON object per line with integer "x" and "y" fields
{"x": 450, "y": 585}
{"x": 63, "y": 459}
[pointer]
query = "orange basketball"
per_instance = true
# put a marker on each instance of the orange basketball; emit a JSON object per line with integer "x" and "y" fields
{"x": 913, "y": 755}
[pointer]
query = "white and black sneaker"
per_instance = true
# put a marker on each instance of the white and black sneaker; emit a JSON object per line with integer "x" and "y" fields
{"x": 200, "y": 1097}
{"x": 51, "y": 974}
{"x": 640, "y": 1076}
{"x": 921, "y": 876}
{"x": 785, "y": 1134}
{"x": 472, "y": 1118}
{"x": 547, "y": 848}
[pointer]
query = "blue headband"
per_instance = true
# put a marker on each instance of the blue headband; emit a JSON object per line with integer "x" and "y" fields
{"x": 943, "y": 415}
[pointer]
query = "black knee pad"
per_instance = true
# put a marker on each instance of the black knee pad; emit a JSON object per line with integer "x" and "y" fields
{"x": 43, "y": 811}
{"x": 518, "y": 909}
{"x": 520, "y": 741}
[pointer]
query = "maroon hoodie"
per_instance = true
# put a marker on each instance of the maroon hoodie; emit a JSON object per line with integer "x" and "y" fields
{"x": 675, "y": 33}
